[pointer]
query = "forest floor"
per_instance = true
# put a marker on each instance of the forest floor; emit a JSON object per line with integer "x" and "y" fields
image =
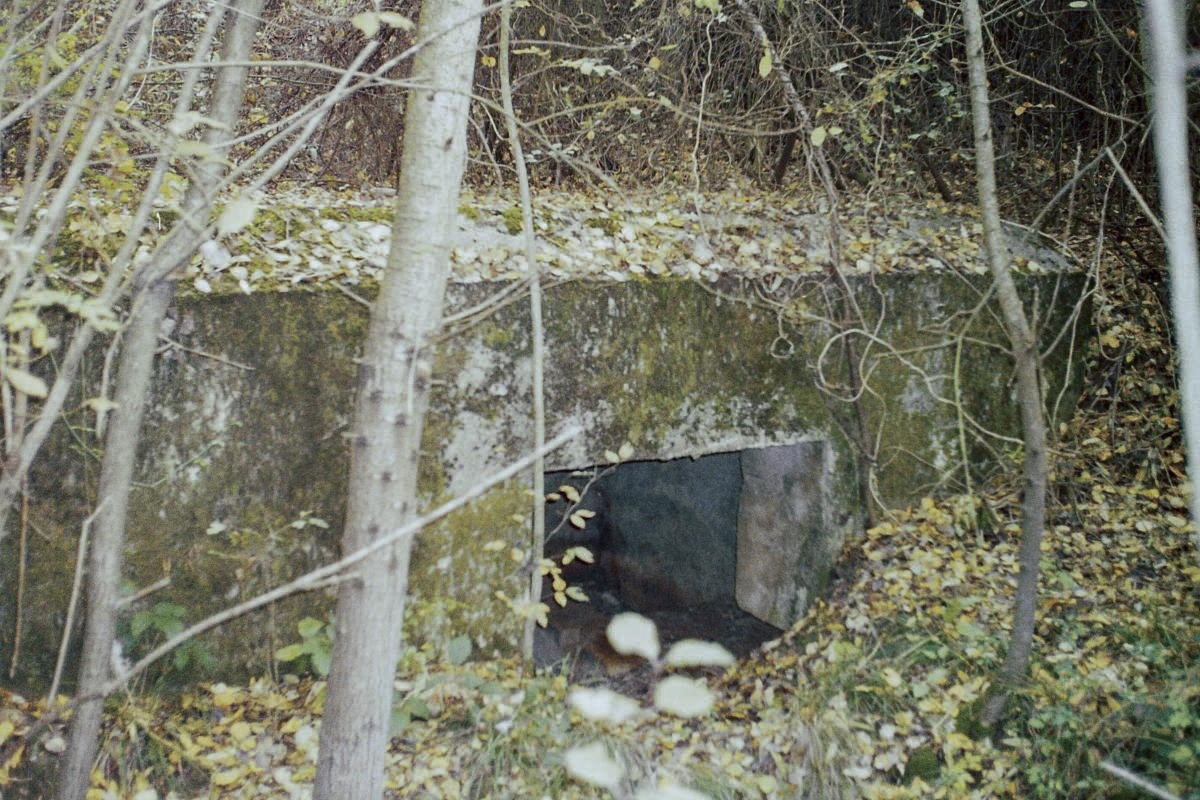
{"x": 872, "y": 694}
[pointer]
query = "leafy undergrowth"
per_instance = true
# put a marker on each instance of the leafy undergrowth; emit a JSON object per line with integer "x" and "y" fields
{"x": 872, "y": 695}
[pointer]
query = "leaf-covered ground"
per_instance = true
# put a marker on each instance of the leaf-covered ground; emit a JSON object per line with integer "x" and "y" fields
{"x": 878, "y": 680}
{"x": 313, "y": 237}
{"x": 873, "y": 694}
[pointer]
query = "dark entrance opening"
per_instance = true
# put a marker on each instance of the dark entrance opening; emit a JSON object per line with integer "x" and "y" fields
{"x": 664, "y": 539}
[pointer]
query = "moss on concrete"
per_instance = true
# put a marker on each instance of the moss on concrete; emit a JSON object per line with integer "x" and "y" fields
{"x": 456, "y": 578}
{"x": 246, "y": 430}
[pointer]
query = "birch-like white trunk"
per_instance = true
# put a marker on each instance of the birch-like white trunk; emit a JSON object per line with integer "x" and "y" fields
{"x": 133, "y": 387}
{"x": 393, "y": 394}
{"x": 1169, "y": 64}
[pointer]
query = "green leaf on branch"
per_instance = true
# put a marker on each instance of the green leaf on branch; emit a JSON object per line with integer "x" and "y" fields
{"x": 697, "y": 653}
{"x": 633, "y": 634}
{"x": 764, "y": 65}
{"x": 369, "y": 22}
{"x": 25, "y": 382}
{"x": 593, "y": 764}
{"x": 237, "y": 215}
{"x": 683, "y": 697}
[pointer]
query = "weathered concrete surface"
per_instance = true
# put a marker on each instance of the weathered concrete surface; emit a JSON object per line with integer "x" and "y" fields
{"x": 247, "y": 424}
{"x": 675, "y": 529}
{"x": 786, "y": 542}
{"x": 757, "y": 524}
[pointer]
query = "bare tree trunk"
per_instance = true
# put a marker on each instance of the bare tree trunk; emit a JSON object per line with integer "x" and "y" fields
{"x": 104, "y": 563}
{"x": 99, "y": 92}
{"x": 1168, "y": 76}
{"x": 850, "y": 310}
{"x": 1025, "y": 351}
{"x": 536, "y": 331}
{"x": 393, "y": 394}
{"x": 133, "y": 388}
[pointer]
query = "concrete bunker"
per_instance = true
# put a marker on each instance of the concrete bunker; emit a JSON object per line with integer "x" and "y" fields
{"x": 246, "y": 432}
{"x": 706, "y": 546}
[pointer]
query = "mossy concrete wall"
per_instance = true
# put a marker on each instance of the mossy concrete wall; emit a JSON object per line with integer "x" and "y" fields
{"x": 245, "y": 435}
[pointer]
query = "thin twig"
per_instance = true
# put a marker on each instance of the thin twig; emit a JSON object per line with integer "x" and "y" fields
{"x": 145, "y": 591}
{"x": 320, "y": 576}
{"x": 72, "y": 605}
{"x": 536, "y": 328}
{"x": 1138, "y": 781}
{"x": 19, "y": 611}
{"x": 1137, "y": 195}
{"x": 222, "y": 359}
